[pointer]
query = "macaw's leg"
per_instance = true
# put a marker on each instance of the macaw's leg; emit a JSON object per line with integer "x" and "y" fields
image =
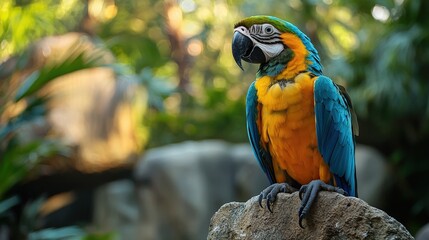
{"x": 310, "y": 192}
{"x": 270, "y": 193}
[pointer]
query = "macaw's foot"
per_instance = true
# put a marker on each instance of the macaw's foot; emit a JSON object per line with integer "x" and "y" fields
{"x": 308, "y": 193}
{"x": 270, "y": 193}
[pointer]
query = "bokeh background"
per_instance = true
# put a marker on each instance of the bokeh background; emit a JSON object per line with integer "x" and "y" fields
{"x": 94, "y": 92}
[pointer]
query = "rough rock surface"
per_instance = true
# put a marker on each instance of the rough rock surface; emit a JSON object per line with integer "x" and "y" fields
{"x": 332, "y": 216}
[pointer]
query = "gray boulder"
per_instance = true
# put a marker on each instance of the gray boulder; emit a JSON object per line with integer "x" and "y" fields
{"x": 374, "y": 177}
{"x": 423, "y": 233}
{"x": 332, "y": 216}
{"x": 115, "y": 209}
{"x": 181, "y": 186}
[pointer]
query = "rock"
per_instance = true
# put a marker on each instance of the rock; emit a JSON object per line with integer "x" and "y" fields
{"x": 180, "y": 186}
{"x": 373, "y": 175}
{"x": 423, "y": 233}
{"x": 332, "y": 216}
{"x": 115, "y": 209}
{"x": 249, "y": 178}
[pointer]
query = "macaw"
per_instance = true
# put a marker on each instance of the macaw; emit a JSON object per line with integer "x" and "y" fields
{"x": 300, "y": 124}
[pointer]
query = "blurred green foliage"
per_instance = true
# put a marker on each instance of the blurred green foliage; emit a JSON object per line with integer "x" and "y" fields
{"x": 181, "y": 50}
{"x": 22, "y": 22}
{"x": 19, "y": 156}
{"x": 20, "y": 153}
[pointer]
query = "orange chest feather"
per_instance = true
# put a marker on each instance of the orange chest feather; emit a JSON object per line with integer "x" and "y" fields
{"x": 287, "y": 127}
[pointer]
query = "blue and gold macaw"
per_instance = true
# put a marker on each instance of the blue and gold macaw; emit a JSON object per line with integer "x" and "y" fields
{"x": 300, "y": 124}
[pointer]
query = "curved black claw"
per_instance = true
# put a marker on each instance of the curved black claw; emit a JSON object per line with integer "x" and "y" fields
{"x": 270, "y": 193}
{"x": 308, "y": 193}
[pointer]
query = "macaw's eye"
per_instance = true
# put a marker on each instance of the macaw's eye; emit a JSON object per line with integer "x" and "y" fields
{"x": 268, "y": 29}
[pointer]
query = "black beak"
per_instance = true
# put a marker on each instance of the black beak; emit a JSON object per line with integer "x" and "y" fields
{"x": 241, "y": 46}
{"x": 243, "y": 49}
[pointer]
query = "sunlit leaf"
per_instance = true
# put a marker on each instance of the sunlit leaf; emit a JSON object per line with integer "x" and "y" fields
{"x": 20, "y": 25}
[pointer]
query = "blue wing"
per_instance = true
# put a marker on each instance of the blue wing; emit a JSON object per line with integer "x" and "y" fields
{"x": 335, "y": 132}
{"x": 263, "y": 156}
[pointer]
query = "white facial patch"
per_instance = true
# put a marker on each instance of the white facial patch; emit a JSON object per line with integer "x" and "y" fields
{"x": 270, "y": 50}
{"x": 266, "y": 37}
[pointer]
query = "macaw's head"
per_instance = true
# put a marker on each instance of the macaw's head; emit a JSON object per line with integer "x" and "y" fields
{"x": 261, "y": 39}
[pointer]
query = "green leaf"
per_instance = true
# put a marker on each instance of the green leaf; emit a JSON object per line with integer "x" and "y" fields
{"x": 32, "y": 83}
{"x": 71, "y": 232}
{"x": 77, "y": 60}
{"x": 18, "y": 160}
{"x": 34, "y": 110}
{"x": 8, "y": 203}
{"x": 101, "y": 236}
{"x": 157, "y": 88}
